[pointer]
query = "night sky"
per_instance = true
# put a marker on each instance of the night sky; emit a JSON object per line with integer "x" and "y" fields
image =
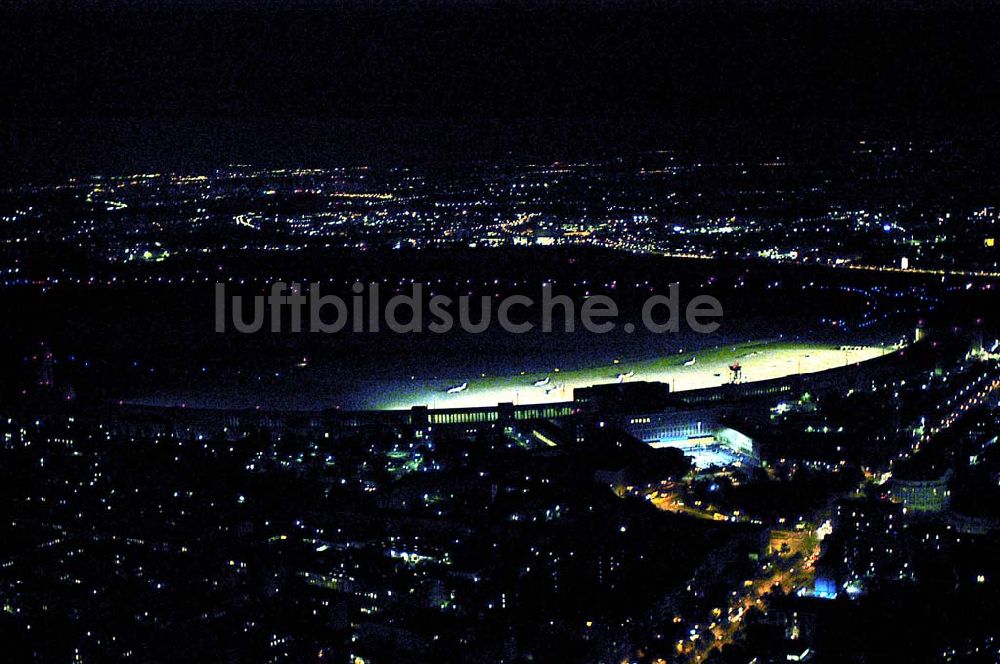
{"x": 119, "y": 85}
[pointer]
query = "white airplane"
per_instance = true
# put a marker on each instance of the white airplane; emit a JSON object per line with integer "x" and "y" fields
{"x": 551, "y": 388}
{"x": 458, "y": 388}
{"x": 543, "y": 382}
{"x": 622, "y": 376}
{"x": 690, "y": 363}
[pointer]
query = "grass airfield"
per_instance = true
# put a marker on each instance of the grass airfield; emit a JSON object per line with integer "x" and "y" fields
{"x": 760, "y": 361}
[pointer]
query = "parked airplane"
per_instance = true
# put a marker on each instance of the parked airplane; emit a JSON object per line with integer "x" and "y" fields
{"x": 622, "y": 376}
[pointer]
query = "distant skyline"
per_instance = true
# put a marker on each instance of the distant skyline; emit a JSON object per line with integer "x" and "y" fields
{"x": 195, "y": 82}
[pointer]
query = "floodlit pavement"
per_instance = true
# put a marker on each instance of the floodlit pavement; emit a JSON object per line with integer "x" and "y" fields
{"x": 759, "y": 361}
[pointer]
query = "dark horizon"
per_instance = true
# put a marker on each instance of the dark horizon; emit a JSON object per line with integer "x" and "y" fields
{"x": 117, "y": 86}
{"x": 47, "y": 149}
